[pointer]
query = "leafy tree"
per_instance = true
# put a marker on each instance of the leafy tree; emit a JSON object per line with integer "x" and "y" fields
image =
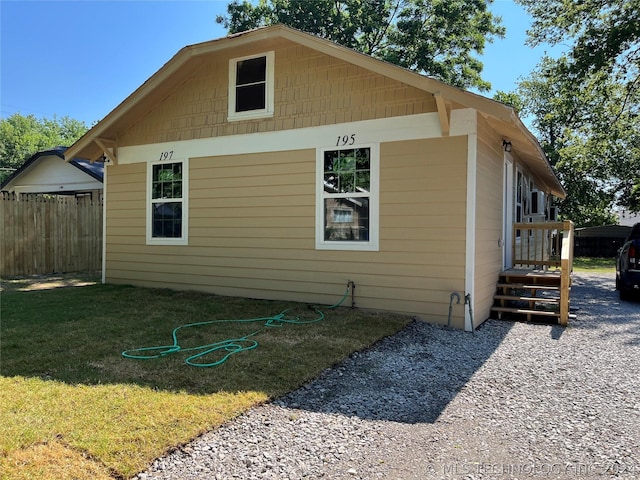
{"x": 435, "y": 37}
{"x": 594, "y": 147}
{"x": 598, "y": 90}
{"x": 605, "y": 33}
{"x": 23, "y": 136}
{"x": 510, "y": 98}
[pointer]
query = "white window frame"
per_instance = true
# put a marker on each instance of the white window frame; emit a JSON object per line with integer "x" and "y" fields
{"x": 374, "y": 209}
{"x": 184, "y": 239}
{"x": 269, "y": 89}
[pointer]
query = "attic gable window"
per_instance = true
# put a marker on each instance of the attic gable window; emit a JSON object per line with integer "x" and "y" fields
{"x": 251, "y": 86}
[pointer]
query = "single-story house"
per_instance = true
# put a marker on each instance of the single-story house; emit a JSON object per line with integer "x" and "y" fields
{"x": 275, "y": 164}
{"x": 47, "y": 172}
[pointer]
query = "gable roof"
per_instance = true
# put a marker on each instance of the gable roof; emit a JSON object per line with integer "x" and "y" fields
{"x": 93, "y": 169}
{"x": 500, "y": 116}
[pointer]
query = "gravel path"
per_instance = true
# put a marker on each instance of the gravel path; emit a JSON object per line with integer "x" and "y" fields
{"x": 513, "y": 400}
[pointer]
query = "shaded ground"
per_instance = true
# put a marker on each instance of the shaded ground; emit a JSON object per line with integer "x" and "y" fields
{"x": 48, "y": 282}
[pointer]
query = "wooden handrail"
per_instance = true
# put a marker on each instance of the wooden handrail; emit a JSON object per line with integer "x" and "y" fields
{"x": 537, "y": 244}
{"x": 547, "y": 244}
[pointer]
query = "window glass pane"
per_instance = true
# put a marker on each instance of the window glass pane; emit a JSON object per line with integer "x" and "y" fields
{"x": 166, "y": 181}
{"x": 346, "y": 219}
{"x": 251, "y": 97}
{"x": 330, "y": 175}
{"x": 167, "y": 220}
{"x": 363, "y": 168}
{"x": 252, "y": 70}
{"x": 362, "y": 181}
{"x": 347, "y": 171}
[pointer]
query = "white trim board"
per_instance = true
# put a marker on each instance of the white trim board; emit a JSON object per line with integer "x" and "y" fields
{"x": 410, "y": 127}
{"x": 470, "y": 254}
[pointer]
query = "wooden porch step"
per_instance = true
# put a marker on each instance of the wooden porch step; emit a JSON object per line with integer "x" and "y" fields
{"x": 516, "y": 298}
{"x": 532, "y": 280}
{"x": 530, "y": 314}
{"x": 524, "y": 286}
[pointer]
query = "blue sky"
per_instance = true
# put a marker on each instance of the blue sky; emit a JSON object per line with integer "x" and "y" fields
{"x": 82, "y": 58}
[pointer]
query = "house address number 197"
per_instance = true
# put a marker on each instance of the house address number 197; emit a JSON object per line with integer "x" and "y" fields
{"x": 166, "y": 155}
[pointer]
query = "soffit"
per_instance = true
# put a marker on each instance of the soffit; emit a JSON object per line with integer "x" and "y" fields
{"x": 526, "y": 148}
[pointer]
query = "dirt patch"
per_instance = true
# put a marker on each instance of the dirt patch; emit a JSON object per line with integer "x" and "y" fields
{"x": 48, "y": 282}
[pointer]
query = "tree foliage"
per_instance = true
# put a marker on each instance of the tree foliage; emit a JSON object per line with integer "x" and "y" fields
{"x": 23, "y": 136}
{"x": 510, "y": 98}
{"x": 586, "y": 104}
{"x": 435, "y": 37}
{"x": 593, "y": 144}
{"x": 605, "y": 34}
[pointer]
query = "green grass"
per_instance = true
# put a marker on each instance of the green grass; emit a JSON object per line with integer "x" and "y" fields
{"x": 73, "y": 407}
{"x": 594, "y": 265}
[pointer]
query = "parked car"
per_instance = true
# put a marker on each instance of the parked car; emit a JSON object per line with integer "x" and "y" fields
{"x": 628, "y": 265}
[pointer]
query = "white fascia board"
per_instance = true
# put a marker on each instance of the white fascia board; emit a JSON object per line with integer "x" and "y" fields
{"x": 410, "y": 127}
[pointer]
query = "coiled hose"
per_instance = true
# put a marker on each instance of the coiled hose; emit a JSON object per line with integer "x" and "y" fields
{"x": 232, "y": 345}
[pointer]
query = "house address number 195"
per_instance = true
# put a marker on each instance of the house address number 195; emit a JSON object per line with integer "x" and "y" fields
{"x": 346, "y": 140}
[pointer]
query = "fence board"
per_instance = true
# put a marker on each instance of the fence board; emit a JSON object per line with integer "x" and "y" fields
{"x": 42, "y": 234}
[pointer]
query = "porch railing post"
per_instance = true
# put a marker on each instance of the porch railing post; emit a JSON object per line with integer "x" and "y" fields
{"x": 566, "y": 266}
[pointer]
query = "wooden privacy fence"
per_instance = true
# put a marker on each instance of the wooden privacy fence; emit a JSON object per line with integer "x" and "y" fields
{"x": 49, "y": 234}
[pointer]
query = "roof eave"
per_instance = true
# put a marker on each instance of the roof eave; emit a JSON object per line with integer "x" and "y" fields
{"x": 497, "y": 110}
{"x": 553, "y": 183}
{"x": 28, "y": 163}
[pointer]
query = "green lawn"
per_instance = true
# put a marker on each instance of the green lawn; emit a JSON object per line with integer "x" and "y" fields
{"x": 73, "y": 407}
{"x": 594, "y": 265}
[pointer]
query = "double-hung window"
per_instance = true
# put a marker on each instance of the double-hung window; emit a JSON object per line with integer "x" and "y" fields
{"x": 251, "y": 87}
{"x": 167, "y": 198}
{"x": 347, "y": 198}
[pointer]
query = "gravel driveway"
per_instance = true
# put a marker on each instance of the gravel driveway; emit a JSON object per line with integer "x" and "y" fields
{"x": 513, "y": 400}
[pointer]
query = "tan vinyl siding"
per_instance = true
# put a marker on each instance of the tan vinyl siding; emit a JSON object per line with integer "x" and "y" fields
{"x": 311, "y": 89}
{"x": 252, "y": 231}
{"x": 126, "y": 205}
{"x": 489, "y": 223}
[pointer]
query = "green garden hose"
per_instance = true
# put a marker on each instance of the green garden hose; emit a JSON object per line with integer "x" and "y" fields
{"x": 232, "y": 345}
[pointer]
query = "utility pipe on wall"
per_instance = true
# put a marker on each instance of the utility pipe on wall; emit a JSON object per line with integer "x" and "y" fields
{"x": 451, "y": 297}
{"x": 467, "y": 301}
